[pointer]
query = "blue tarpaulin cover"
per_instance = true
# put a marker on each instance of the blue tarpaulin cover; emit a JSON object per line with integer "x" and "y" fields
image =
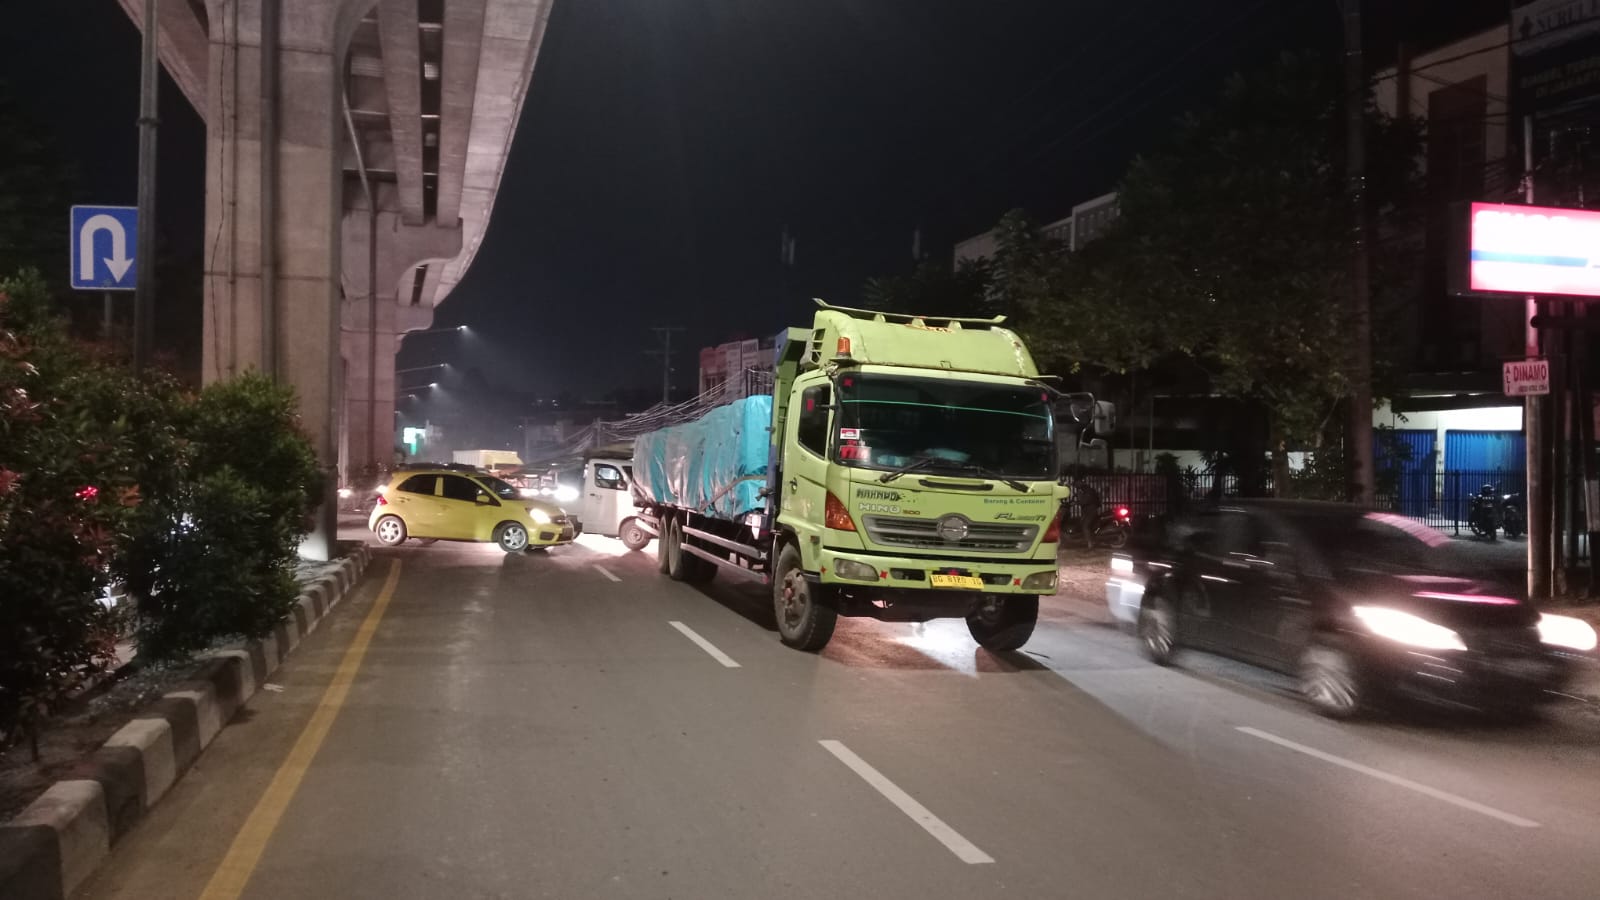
{"x": 715, "y": 465}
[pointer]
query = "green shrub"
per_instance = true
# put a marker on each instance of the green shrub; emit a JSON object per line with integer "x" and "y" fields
{"x": 216, "y": 557}
{"x": 66, "y": 489}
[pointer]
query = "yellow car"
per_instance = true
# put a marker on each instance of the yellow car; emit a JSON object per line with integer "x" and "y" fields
{"x": 463, "y": 505}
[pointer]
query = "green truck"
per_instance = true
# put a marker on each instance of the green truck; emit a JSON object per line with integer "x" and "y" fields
{"x": 903, "y": 468}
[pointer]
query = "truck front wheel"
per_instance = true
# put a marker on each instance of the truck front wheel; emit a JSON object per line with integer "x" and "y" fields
{"x": 633, "y": 536}
{"x": 804, "y": 622}
{"x": 1002, "y": 623}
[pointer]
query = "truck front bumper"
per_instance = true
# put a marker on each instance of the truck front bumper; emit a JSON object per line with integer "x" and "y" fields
{"x": 862, "y": 572}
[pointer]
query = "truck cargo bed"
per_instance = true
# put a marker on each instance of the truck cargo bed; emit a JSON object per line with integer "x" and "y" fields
{"x": 715, "y": 465}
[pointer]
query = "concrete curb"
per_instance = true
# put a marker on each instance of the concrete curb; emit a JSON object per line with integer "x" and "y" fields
{"x": 51, "y": 847}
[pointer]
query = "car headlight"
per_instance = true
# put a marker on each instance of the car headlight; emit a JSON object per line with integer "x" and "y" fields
{"x": 528, "y": 493}
{"x": 538, "y": 515}
{"x": 1122, "y": 565}
{"x": 346, "y": 493}
{"x": 849, "y": 568}
{"x": 1405, "y": 628}
{"x": 1566, "y": 631}
{"x": 1040, "y": 581}
{"x": 566, "y": 493}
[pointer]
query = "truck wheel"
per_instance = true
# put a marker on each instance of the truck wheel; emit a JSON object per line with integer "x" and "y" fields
{"x": 634, "y": 537}
{"x": 664, "y": 525}
{"x": 677, "y": 562}
{"x": 804, "y": 623}
{"x": 1002, "y": 623}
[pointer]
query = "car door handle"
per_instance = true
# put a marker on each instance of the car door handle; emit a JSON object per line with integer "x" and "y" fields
{"x": 794, "y": 485}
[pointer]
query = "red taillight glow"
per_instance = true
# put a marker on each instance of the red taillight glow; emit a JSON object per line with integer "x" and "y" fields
{"x": 381, "y": 501}
{"x": 835, "y": 516}
{"x": 1052, "y": 535}
{"x": 1123, "y": 512}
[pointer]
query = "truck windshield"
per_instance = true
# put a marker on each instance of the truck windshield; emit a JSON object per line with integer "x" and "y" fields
{"x": 988, "y": 430}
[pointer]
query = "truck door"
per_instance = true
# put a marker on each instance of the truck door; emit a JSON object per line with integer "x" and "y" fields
{"x": 606, "y": 499}
{"x": 805, "y": 466}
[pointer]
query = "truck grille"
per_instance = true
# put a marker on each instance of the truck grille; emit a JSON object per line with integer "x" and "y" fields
{"x": 923, "y": 534}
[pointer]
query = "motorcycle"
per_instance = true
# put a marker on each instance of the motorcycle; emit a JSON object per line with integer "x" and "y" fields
{"x": 1512, "y": 518}
{"x": 1486, "y": 514}
{"x": 1109, "y": 529}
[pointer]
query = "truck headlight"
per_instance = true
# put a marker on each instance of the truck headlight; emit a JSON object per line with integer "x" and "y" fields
{"x": 856, "y": 571}
{"x": 1405, "y": 628}
{"x": 1040, "y": 581}
{"x": 1566, "y": 632}
{"x": 538, "y": 515}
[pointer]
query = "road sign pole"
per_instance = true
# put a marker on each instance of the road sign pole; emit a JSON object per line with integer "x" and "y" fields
{"x": 109, "y": 313}
{"x": 1540, "y": 523}
{"x": 145, "y": 245}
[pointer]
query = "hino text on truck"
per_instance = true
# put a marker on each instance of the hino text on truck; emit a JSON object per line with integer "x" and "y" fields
{"x": 904, "y": 468}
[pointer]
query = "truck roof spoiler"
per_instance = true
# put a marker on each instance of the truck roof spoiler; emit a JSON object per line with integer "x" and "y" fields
{"x": 882, "y": 316}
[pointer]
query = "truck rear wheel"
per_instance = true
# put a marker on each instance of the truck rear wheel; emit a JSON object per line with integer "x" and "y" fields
{"x": 1002, "y": 623}
{"x": 804, "y": 622}
{"x": 672, "y": 555}
{"x": 633, "y": 536}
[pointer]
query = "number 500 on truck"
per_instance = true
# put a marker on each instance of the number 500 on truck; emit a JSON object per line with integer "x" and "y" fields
{"x": 903, "y": 469}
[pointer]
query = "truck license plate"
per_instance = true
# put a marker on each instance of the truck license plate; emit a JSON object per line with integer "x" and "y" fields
{"x": 966, "y": 582}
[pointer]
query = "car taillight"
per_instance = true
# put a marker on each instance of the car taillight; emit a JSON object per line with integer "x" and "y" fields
{"x": 382, "y": 501}
{"x": 835, "y": 516}
{"x": 1052, "y": 535}
{"x": 1122, "y": 512}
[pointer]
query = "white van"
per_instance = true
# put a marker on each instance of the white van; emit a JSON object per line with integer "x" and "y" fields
{"x": 608, "y": 501}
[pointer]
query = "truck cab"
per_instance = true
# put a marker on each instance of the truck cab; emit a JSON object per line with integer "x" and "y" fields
{"x": 916, "y": 474}
{"x": 608, "y": 499}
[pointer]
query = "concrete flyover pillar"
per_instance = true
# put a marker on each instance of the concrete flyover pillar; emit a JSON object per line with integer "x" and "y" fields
{"x": 404, "y": 254}
{"x": 274, "y": 196}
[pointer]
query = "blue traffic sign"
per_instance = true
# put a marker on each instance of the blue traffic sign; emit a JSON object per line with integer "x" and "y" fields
{"x": 103, "y": 247}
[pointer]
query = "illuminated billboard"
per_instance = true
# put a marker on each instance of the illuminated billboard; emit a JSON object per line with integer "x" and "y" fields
{"x": 1516, "y": 249}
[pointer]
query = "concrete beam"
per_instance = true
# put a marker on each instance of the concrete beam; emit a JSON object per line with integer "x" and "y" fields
{"x": 183, "y": 44}
{"x": 402, "y": 63}
{"x": 458, "y": 85}
{"x": 513, "y": 31}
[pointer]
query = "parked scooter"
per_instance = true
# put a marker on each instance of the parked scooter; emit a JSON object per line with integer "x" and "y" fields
{"x": 1483, "y": 514}
{"x": 1513, "y": 519}
{"x": 1109, "y": 529}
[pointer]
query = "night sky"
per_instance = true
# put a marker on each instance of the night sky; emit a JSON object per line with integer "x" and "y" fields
{"x": 665, "y": 144}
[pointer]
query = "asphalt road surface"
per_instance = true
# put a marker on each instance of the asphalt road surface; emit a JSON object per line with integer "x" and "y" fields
{"x": 574, "y": 725}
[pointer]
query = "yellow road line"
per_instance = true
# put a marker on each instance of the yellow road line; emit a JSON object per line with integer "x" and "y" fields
{"x": 228, "y": 882}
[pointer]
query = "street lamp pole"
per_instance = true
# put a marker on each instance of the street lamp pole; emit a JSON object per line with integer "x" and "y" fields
{"x": 145, "y": 248}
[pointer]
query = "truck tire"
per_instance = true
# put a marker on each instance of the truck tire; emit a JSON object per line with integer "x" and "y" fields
{"x": 664, "y": 525}
{"x": 804, "y": 621}
{"x": 674, "y": 558}
{"x": 1003, "y": 623}
{"x": 633, "y": 536}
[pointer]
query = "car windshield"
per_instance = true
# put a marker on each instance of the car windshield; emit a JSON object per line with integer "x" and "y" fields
{"x": 890, "y": 421}
{"x": 502, "y": 489}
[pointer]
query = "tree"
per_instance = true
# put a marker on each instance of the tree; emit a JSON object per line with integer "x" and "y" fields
{"x": 933, "y": 288}
{"x": 1232, "y": 251}
{"x": 35, "y": 188}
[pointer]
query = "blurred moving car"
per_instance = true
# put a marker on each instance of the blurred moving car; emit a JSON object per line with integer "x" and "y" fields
{"x": 1355, "y": 604}
{"x": 449, "y": 504}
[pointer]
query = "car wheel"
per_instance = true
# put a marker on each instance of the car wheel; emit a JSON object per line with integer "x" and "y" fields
{"x": 1158, "y": 629}
{"x": 1329, "y": 680}
{"x": 633, "y": 535}
{"x": 390, "y": 530}
{"x": 1003, "y": 623}
{"x": 804, "y": 622}
{"x": 511, "y": 536}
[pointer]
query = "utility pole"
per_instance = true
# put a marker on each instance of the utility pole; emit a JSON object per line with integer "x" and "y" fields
{"x": 145, "y": 249}
{"x": 1355, "y": 93}
{"x": 664, "y": 335}
{"x": 1540, "y": 523}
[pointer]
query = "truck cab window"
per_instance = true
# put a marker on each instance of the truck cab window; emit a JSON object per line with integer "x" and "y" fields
{"x": 813, "y": 428}
{"x": 608, "y": 478}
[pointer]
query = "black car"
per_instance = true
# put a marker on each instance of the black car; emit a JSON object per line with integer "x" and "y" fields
{"x": 1354, "y": 603}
